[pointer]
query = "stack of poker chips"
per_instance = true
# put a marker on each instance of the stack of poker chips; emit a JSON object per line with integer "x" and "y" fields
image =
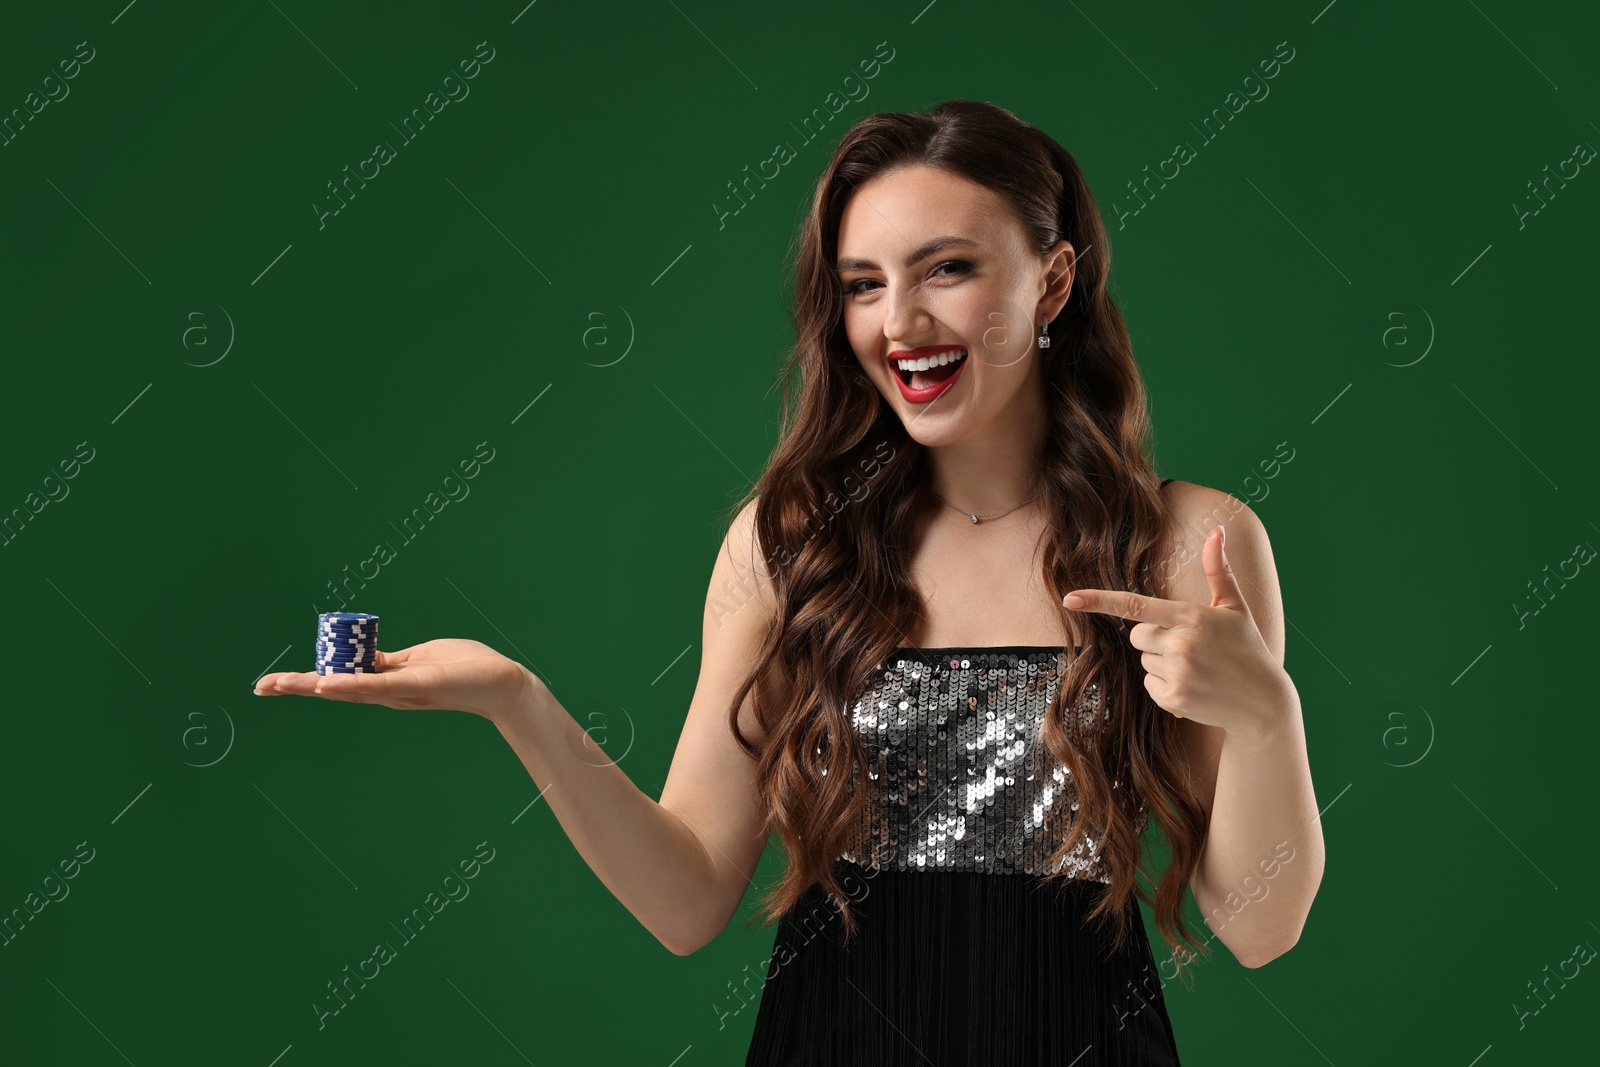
{"x": 347, "y": 643}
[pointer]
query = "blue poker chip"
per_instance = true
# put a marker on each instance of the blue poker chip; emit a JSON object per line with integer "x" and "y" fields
{"x": 347, "y": 643}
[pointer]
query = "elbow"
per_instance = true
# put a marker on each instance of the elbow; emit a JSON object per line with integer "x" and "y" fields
{"x": 702, "y": 922}
{"x": 1260, "y": 957}
{"x": 679, "y": 947}
{"x": 1259, "y": 953}
{"x": 707, "y": 930}
{"x": 688, "y": 942}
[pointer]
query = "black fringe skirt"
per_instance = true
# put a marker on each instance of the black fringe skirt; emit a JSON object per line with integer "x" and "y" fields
{"x": 951, "y": 969}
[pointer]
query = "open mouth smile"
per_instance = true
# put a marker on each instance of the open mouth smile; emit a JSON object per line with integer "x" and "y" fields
{"x": 924, "y": 374}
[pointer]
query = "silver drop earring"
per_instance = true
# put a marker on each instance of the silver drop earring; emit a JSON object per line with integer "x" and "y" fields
{"x": 1044, "y": 334}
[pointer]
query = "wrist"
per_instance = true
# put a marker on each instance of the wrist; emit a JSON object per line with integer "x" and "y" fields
{"x": 1271, "y": 726}
{"x": 525, "y": 697}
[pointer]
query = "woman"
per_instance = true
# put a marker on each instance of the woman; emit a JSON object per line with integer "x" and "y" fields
{"x": 960, "y": 646}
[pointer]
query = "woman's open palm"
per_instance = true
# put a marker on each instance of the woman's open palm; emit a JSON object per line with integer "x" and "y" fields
{"x": 446, "y": 674}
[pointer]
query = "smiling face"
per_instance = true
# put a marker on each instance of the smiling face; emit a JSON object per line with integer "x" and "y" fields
{"x": 933, "y": 265}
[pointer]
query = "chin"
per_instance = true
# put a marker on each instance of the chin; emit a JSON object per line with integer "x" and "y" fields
{"x": 935, "y": 428}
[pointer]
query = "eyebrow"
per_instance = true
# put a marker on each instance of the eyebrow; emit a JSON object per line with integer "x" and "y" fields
{"x": 938, "y": 244}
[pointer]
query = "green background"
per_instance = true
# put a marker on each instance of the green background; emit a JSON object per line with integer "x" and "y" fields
{"x": 544, "y": 269}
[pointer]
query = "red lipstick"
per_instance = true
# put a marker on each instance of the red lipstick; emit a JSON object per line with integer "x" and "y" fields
{"x": 933, "y": 392}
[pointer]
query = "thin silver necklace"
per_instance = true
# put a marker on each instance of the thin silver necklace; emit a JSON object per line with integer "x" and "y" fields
{"x": 996, "y": 515}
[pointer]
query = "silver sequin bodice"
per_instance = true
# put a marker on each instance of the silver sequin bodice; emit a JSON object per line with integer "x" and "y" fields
{"x": 959, "y": 779}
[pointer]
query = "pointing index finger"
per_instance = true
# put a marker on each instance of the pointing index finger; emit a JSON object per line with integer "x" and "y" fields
{"x": 1124, "y": 604}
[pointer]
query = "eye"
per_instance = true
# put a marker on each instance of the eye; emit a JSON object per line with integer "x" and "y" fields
{"x": 961, "y": 267}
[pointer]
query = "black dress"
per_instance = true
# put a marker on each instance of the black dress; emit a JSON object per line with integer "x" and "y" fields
{"x": 963, "y": 954}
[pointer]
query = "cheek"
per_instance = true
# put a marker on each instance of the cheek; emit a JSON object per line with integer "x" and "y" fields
{"x": 862, "y": 338}
{"x": 1001, "y": 330}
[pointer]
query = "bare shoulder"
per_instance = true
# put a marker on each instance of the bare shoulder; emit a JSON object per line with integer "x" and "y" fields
{"x": 743, "y": 548}
{"x": 1181, "y": 575}
{"x": 741, "y": 603}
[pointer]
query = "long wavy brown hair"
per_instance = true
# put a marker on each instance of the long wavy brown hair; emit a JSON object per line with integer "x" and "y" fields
{"x": 835, "y": 507}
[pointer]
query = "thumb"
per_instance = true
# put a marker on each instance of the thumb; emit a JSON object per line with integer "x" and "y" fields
{"x": 1225, "y": 592}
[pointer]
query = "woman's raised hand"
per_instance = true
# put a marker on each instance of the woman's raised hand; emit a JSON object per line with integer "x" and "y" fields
{"x": 446, "y": 674}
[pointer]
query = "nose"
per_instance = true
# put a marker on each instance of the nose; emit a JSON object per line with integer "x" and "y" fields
{"x": 904, "y": 317}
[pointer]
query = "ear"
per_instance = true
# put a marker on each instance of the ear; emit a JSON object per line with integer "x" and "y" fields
{"x": 1060, "y": 272}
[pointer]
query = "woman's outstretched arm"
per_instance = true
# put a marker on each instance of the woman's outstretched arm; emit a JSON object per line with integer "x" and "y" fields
{"x": 680, "y": 865}
{"x": 650, "y": 857}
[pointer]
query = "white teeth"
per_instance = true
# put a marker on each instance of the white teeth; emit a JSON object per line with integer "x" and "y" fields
{"x": 931, "y": 361}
